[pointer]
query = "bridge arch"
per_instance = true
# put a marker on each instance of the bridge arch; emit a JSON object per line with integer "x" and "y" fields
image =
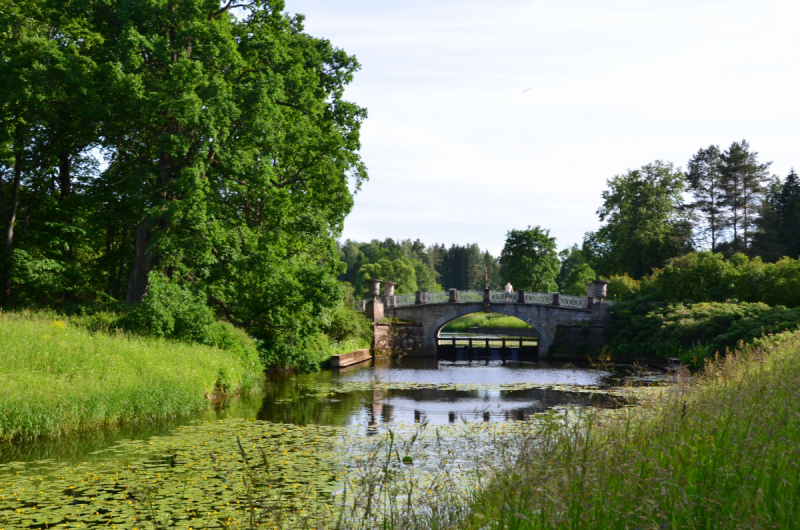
{"x": 535, "y": 325}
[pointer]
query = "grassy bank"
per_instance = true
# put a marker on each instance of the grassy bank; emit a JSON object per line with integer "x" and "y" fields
{"x": 485, "y": 320}
{"x": 718, "y": 451}
{"x": 58, "y": 377}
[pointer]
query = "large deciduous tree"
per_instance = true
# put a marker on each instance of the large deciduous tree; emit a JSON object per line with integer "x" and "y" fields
{"x": 530, "y": 259}
{"x": 229, "y": 155}
{"x": 643, "y": 224}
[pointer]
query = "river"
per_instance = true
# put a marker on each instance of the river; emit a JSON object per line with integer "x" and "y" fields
{"x": 104, "y": 476}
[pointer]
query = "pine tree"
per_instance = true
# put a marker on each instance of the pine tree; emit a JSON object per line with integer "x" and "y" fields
{"x": 705, "y": 180}
{"x": 743, "y": 182}
{"x": 789, "y": 213}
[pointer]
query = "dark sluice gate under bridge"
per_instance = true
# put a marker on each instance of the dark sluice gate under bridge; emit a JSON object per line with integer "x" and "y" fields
{"x": 472, "y": 349}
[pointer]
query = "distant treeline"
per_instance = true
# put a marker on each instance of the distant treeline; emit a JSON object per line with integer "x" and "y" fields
{"x": 415, "y": 266}
{"x": 737, "y": 213}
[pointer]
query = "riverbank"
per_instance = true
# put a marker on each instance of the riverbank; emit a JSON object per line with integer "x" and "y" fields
{"x": 58, "y": 377}
{"x": 716, "y": 451}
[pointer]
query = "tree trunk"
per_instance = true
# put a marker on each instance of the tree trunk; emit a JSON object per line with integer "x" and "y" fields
{"x": 64, "y": 175}
{"x": 143, "y": 260}
{"x": 744, "y": 226}
{"x": 11, "y": 218}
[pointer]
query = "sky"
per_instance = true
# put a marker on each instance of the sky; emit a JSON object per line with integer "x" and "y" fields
{"x": 496, "y": 115}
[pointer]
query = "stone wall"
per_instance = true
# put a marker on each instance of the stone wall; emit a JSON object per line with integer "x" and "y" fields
{"x": 396, "y": 339}
{"x": 576, "y": 341}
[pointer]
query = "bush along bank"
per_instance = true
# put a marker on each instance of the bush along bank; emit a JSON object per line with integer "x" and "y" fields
{"x": 58, "y": 376}
{"x": 693, "y": 332}
{"x": 718, "y": 450}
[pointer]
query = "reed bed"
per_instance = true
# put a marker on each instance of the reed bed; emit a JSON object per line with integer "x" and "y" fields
{"x": 719, "y": 450}
{"x": 57, "y": 377}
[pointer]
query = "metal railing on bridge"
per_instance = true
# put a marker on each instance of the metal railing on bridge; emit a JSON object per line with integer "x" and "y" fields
{"x": 538, "y": 298}
{"x": 572, "y": 301}
{"x": 470, "y": 296}
{"x": 496, "y": 297}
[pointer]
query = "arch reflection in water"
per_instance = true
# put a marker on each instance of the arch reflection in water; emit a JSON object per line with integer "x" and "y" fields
{"x": 415, "y": 390}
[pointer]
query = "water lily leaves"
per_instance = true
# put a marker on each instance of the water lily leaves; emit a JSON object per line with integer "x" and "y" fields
{"x": 199, "y": 466}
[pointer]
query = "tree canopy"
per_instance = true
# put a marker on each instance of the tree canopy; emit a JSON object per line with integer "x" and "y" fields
{"x": 228, "y": 151}
{"x": 530, "y": 260}
{"x": 644, "y": 225}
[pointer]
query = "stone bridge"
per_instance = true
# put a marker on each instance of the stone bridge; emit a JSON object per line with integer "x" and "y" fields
{"x": 545, "y": 312}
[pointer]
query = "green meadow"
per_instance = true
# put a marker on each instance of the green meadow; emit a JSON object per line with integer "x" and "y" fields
{"x": 59, "y": 377}
{"x": 485, "y": 320}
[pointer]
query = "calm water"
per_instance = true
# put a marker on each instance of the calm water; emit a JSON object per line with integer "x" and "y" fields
{"x": 374, "y": 395}
{"x": 306, "y": 437}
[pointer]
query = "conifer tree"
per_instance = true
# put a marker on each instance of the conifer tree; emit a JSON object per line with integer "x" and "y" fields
{"x": 705, "y": 182}
{"x": 743, "y": 180}
{"x": 789, "y": 215}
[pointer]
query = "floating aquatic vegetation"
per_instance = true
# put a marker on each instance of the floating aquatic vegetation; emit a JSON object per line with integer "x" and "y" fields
{"x": 193, "y": 478}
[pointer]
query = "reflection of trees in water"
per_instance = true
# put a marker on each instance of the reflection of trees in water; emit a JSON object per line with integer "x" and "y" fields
{"x": 290, "y": 398}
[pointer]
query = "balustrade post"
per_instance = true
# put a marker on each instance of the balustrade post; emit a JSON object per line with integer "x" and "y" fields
{"x": 418, "y": 299}
{"x": 374, "y": 308}
{"x": 556, "y": 299}
{"x": 487, "y": 295}
{"x": 600, "y": 289}
{"x": 589, "y": 294}
{"x": 453, "y": 296}
{"x": 521, "y": 296}
{"x": 388, "y": 293}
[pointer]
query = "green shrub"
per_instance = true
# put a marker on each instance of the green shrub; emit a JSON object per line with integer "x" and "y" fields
{"x": 623, "y": 288}
{"x": 172, "y": 310}
{"x": 709, "y": 277}
{"x": 693, "y": 331}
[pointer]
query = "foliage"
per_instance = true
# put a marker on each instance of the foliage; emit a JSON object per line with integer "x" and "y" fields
{"x": 400, "y": 271}
{"x": 622, "y": 288}
{"x": 357, "y": 255}
{"x": 743, "y": 183}
{"x": 229, "y": 152}
{"x": 459, "y": 267}
{"x": 575, "y": 272}
{"x": 59, "y": 377}
{"x": 643, "y": 226}
{"x": 705, "y": 181}
{"x": 709, "y": 277}
{"x": 530, "y": 259}
{"x": 778, "y": 231}
{"x": 173, "y": 311}
{"x": 717, "y": 452}
{"x": 693, "y": 331}
{"x": 345, "y": 325}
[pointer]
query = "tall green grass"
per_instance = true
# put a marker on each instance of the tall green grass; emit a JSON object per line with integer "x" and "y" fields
{"x": 719, "y": 451}
{"x": 56, "y": 377}
{"x": 485, "y": 320}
